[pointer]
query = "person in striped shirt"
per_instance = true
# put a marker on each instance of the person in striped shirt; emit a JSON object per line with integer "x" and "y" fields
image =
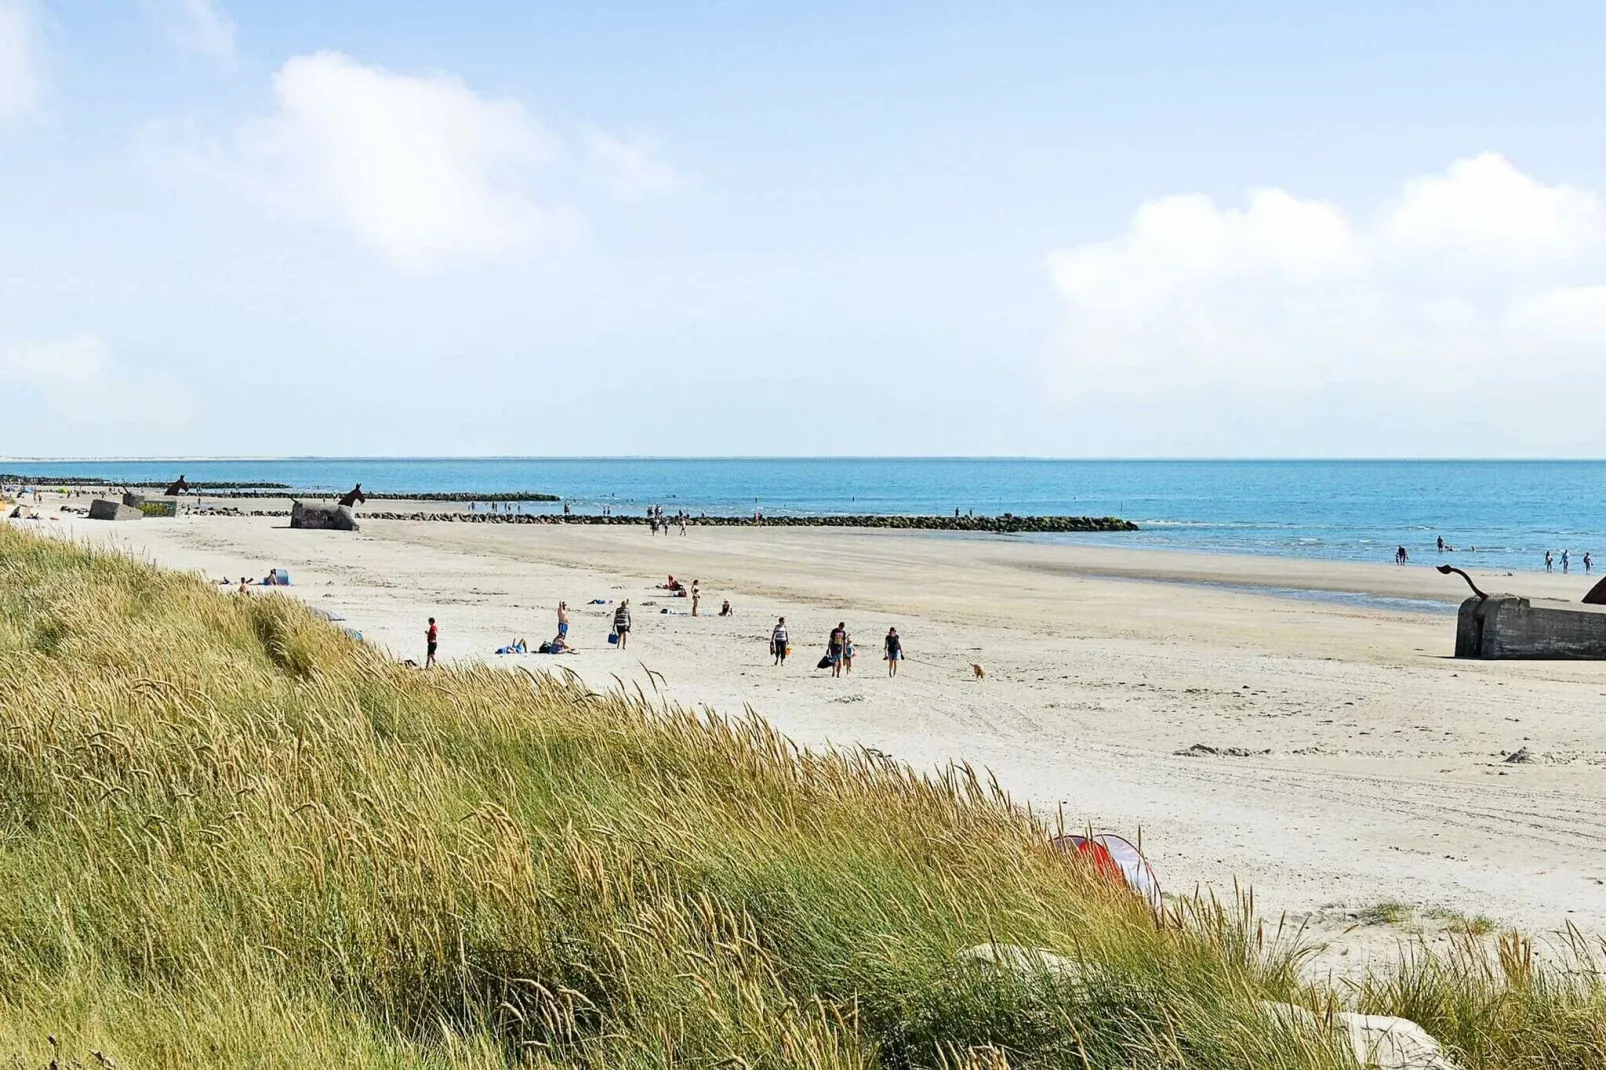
{"x": 778, "y": 641}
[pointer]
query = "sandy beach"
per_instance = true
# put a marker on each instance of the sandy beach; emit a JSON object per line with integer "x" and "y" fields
{"x": 1357, "y": 764}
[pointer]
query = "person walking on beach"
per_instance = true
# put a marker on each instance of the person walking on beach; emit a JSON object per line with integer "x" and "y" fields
{"x": 563, "y": 620}
{"x": 432, "y": 638}
{"x": 834, "y": 645}
{"x": 621, "y": 622}
{"x": 1549, "y": 564}
{"x": 847, "y": 653}
{"x": 893, "y": 647}
{"x": 1400, "y": 556}
{"x": 696, "y": 597}
{"x": 778, "y": 641}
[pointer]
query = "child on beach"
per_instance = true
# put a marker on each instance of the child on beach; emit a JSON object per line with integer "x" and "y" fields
{"x": 894, "y": 651}
{"x": 432, "y": 636}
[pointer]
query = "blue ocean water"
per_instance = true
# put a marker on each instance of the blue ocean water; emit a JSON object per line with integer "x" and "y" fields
{"x": 1498, "y": 514}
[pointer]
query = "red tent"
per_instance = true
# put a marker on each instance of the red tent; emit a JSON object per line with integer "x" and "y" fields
{"x": 1117, "y": 858}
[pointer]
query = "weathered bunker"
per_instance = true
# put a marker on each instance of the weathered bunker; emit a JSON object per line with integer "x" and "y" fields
{"x": 1511, "y": 626}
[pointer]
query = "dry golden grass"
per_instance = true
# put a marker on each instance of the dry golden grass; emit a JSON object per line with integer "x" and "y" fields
{"x": 231, "y": 836}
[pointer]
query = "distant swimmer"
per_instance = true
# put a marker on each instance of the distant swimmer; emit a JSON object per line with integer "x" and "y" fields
{"x": 1565, "y": 561}
{"x": 1589, "y": 562}
{"x": 1441, "y": 544}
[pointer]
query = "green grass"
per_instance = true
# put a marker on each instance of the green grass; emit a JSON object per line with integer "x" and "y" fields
{"x": 230, "y": 836}
{"x": 1388, "y": 912}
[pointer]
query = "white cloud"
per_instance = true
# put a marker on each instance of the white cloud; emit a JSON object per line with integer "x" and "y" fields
{"x": 197, "y": 28}
{"x": 58, "y": 367}
{"x": 19, "y": 82}
{"x": 1486, "y": 206}
{"x": 418, "y": 168}
{"x": 68, "y": 396}
{"x": 1283, "y": 326}
{"x": 630, "y": 168}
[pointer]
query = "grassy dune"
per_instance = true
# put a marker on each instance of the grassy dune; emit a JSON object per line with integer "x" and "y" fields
{"x": 230, "y": 836}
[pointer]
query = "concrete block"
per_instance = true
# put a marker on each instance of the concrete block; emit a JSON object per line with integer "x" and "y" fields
{"x": 326, "y": 517}
{"x": 101, "y": 509}
{"x": 1510, "y": 626}
{"x": 152, "y": 506}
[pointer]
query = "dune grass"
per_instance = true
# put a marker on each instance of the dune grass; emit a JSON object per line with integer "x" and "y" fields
{"x": 232, "y": 836}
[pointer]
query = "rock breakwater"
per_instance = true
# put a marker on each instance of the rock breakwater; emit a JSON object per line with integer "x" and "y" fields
{"x": 996, "y": 525}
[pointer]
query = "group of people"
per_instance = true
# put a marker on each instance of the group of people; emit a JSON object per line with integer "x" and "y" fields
{"x": 657, "y": 521}
{"x": 838, "y": 649}
{"x": 1566, "y": 562}
{"x": 1401, "y": 556}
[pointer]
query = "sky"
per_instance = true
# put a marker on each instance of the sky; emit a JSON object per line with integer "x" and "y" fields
{"x": 1017, "y": 229}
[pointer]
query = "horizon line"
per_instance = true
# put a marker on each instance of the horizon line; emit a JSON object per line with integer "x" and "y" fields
{"x": 1035, "y": 458}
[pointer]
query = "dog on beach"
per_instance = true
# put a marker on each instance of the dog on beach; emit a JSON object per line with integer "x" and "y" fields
{"x": 979, "y": 672}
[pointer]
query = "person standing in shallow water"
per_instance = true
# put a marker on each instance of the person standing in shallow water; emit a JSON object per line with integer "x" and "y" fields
{"x": 893, "y": 647}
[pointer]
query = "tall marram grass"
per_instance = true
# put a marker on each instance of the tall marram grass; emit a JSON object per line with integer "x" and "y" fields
{"x": 231, "y": 836}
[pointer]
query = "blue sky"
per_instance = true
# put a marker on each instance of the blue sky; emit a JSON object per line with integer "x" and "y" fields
{"x": 1022, "y": 229}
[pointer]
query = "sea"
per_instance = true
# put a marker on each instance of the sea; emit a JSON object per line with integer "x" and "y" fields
{"x": 1495, "y": 514}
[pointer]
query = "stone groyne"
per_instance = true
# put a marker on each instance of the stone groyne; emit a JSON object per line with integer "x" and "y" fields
{"x": 998, "y": 525}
